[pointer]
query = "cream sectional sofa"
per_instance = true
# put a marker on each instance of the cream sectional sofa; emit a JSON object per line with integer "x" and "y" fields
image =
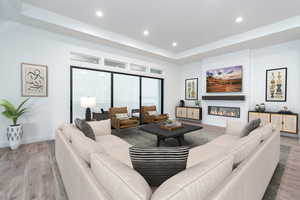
{"x": 230, "y": 167}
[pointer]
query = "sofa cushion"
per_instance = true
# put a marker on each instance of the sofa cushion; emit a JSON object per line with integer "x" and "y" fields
{"x": 250, "y": 127}
{"x": 85, "y": 146}
{"x": 266, "y": 131}
{"x": 204, "y": 153}
{"x": 244, "y": 147}
{"x": 111, "y": 141}
{"x": 100, "y": 128}
{"x": 120, "y": 181}
{"x": 234, "y": 128}
{"x": 225, "y": 140}
{"x": 157, "y": 164}
{"x": 68, "y": 130}
{"x": 197, "y": 182}
{"x": 116, "y": 148}
{"x": 85, "y": 128}
{"x": 121, "y": 154}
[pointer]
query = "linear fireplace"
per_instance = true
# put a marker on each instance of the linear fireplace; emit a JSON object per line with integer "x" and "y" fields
{"x": 224, "y": 111}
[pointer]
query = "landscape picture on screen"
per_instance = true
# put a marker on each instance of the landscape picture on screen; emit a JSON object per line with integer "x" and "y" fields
{"x": 227, "y": 79}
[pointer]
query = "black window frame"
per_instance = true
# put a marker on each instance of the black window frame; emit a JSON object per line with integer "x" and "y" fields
{"x": 112, "y": 87}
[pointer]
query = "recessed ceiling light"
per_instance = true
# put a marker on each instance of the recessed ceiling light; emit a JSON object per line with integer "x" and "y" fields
{"x": 239, "y": 19}
{"x": 99, "y": 13}
{"x": 146, "y": 32}
{"x": 174, "y": 44}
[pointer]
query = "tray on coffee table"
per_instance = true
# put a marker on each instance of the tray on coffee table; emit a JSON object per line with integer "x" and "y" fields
{"x": 170, "y": 128}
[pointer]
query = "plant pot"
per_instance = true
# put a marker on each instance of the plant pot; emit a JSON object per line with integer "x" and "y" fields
{"x": 14, "y": 136}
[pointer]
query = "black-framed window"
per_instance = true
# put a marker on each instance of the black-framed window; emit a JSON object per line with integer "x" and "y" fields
{"x": 113, "y": 89}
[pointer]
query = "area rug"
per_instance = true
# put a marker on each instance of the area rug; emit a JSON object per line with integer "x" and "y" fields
{"x": 140, "y": 138}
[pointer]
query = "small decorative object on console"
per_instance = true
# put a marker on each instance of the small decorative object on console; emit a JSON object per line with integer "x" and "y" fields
{"x": 197, "y": 103}
{"x": 88, "y": 103}
{"x": 257, "y": 108}
{"x": 262, "y": 107}
{"x": 181, "y": 104}
{"x": 285, "y": 110}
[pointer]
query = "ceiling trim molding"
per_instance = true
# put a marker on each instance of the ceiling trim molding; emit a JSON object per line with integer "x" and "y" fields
{"x": 22, "y": 12}
{"x": 264, "y": 31}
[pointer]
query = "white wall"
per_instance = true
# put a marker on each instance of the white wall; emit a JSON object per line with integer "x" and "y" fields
{"x": 20, "y": 43}
{"x": 255, "y": 62}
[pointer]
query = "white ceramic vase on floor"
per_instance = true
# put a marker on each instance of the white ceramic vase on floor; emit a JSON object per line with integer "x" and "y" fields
{"x": 14, "y": 136}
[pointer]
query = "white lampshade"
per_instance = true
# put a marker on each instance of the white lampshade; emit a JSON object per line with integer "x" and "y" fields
{"x": 87, "y": 102}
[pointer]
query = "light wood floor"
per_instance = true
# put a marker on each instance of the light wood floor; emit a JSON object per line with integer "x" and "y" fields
{"x": 290, "y": 182}
{"x": 30, "y": 173}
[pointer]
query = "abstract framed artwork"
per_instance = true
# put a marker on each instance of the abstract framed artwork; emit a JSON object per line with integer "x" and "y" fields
{"x": 34, "y": 80}
{"x": 191, "y": 89}
{"x": 276, "y": 85}
{"x": 229, "y": 79}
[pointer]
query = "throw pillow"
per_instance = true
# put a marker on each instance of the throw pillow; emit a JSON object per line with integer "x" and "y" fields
{"x": 250, "y": 127}
{"x": 101, "y": 128}
{"x": 157, "y": 164}
{"x": 154, "y": 113}
{"x": 122, "y": 116}
{"x": 85, "y": 128}
{"x": 244, "y": 148}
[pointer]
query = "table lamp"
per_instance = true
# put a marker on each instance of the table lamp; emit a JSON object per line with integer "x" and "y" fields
{"x": 88, "y": 103}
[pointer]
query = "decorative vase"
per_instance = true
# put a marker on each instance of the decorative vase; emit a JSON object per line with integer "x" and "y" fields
{"x": 262, "y": 107}
{"x": 14, "y": 135}
{"x": 257, "y": 108}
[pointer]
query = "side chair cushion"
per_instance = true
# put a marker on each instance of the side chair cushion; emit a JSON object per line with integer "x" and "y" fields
{"x": 128, "y": 121}
{"x": 153, "y": 113}
{"x": 157, "y": 164}
{"x": 122, "y": 116}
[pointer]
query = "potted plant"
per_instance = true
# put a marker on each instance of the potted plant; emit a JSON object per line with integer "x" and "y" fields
{"x": 197, "y": 103}
{"x": 14, "y": 131}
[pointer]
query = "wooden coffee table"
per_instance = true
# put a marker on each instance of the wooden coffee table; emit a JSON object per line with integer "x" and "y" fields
{"x": 163, "y": 134}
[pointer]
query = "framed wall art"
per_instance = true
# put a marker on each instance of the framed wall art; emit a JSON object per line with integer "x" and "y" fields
{"x": 191, "y": 89}
{"x": 227, "y": 79}
{"x": 34, "y": 80}
{"x": 276, "y": 85}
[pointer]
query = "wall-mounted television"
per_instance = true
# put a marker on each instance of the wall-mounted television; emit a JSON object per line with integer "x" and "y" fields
{"x": 229, "y": 79}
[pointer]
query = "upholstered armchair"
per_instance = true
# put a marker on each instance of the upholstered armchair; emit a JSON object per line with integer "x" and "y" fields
{"x": 120, "y": 118}
{"x": 150, "y": 115}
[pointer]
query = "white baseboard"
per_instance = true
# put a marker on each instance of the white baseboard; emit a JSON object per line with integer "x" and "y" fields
{"x": 28, "y": 141}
